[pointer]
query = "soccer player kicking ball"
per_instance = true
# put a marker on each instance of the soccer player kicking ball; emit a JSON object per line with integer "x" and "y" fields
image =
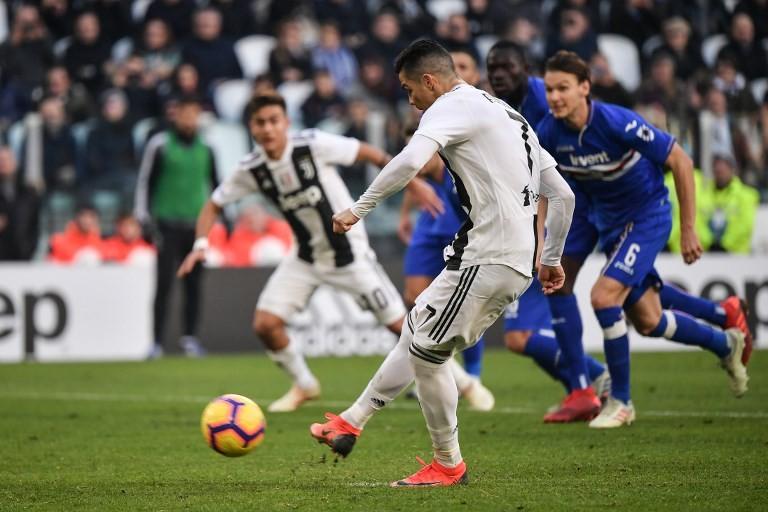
{"x": 499, "y": 170}
{"x": 616, "y": 160}
{"x": 297, "y": 174}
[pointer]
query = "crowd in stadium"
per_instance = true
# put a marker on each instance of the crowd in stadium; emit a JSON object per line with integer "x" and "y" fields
{"x": 84, "y": 84}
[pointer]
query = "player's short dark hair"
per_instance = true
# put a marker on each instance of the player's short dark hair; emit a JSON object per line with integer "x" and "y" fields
{"x": 424, "y": 56}
{"x": 568, "y": 62}
{"x": 510, "y": 47}
{"x": 265, "y": 100}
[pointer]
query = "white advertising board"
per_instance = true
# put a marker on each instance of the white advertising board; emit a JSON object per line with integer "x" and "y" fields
{"x": 79, "y": 313}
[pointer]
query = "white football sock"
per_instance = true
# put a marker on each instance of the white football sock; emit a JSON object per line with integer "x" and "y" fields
{"x": 460, "y": 375}
{"x": 439, "y": 398}
{"x": 392, "y": 377}
{"x": 291, "y": 360}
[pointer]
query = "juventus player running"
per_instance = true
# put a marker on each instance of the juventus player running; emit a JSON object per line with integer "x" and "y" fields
{"x": 297, "y": 173}
{"x": 499, "y": 170}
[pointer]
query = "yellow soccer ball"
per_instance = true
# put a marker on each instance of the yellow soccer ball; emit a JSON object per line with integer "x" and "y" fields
{"x": 233, "y": 425}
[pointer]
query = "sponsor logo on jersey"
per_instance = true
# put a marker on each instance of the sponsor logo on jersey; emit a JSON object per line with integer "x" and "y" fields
{"x": 307, "y": 168}
{"x": 310, "y": 196}
{"x": 645, "y": 133}
{"x": 588, "y": 160}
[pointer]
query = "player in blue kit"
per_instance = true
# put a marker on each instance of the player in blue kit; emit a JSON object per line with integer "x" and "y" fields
{"x": 528, "y": 323}
{"x": 616, "y": 159}
{"x": 426, "y": 241}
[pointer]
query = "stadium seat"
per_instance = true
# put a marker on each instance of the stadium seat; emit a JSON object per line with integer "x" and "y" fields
{"x": 139, "y": 9}
{"x": 16, "y": 137}
{"x": 140, "y": 132}
{"x": 711, "y": 47}
{"x": 295, "y": 93}
{"x": 651, "y": 45}
{"x": 442, "y": 9}
{"x": 623, "y": 57}
{"x": 230, "y": 143}
{"x": 60, "y": 46}
{"x": 483, "y": 44}
{"x": 759, "y": 88}
{"x": 122, "y": 49}
{"x": 230, "y": 98}
{"x": 253, "y": 54}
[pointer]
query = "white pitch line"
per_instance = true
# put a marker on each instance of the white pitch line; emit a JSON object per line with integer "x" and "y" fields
{"x": 328, "y": 404}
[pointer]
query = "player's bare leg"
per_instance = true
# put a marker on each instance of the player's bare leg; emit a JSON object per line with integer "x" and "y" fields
{"x": 271, "y": 329}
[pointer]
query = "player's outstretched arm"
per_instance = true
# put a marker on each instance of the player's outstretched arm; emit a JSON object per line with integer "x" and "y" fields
{"x": 422, "y": 194}
{"x": 395, "y": 175}
{"x": 561, "y": 202}
{"x": 205, "y": 220}
{"x": 682, "y": 172}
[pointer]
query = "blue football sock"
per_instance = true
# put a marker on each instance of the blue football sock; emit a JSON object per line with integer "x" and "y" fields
{"x": 473, "y": 358}
{"x": 594, "y": 367}
{"x": 545, "y": 352}
{"x": 675, "y": 298}
{"x": 566, "y": 321}
{"x": 616, "y": 345}
{"x": 676, "y": 326}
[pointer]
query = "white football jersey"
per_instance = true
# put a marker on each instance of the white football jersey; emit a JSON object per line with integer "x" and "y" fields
{"x": 306, "y": 187}
{"x": 495, "y": 159}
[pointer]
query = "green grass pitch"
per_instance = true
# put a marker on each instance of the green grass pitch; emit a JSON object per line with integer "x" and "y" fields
{"x": 126, "y": 436}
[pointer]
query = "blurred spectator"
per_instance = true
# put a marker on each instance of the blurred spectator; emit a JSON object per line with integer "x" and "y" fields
{"x": 258, "y": 239}
{"x": 526, "y": 34}
{"x": 139, "y": 86}
{"x": 757, "y": 10}
{"x": 356, "y": 175}
{"x": 77, "y": 101}
{"x": 26, "y": 55}
{"x": 763, "y": 177}
{"x": 702, "y": 210}
{"x": 177, "y": 14}
{"x": 331, "y": 54}
{"x": 19, "y": 212}
{"x": 678, "y": 42}
{"x": 734, "y": 86}
{"x": 720, "y": 134}
{"x": 115, "y": 17}
{"x": 351, "y": 16}
{"x": 662, "y": 89}
{"x": 575, "y": 34}
{"x": 325, "y": 101}
{"x": 50, "y": 144}
{"x": 238, "y": 17}
{"x": 747, "y": 52}
{"x": 385, "y": 40}
{"x": 591, "y": 8}
{"x": 379, "y": 86}
{"x": 458, "y": 35}
{"x": 158, "y": 49}
{"x": 177, "y": 174}
{"x": 210, "y": 52}
{"x": 58, "y": 17}
{"x": 127, "y": 244}
{"x": 110, "y": 158}
{"x": 88, "y": 53}
{"x": 414, "y": 18}
{"x": 636, "y": 19}
{"x": 483, "y": 18}
{"x": 733, "y": 208}
{"x": 184, "y": 82}
{"x": 80, "y": 242}
{"x": 289, "y": 61}
{"x": 605, "y": 87}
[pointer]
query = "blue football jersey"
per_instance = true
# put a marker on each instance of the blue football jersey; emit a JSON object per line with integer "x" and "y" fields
{"x": 534, "y": 106}
{"x": 617, "y": 160}
{"x": 447, "y": 223}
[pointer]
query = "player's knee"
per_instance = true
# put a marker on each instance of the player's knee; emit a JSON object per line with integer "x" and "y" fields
{"x": 516, "y": 340}
{"x": 266, "y": 326}
{"x": 601, "y": 299}
{"x": 649, "y": 324}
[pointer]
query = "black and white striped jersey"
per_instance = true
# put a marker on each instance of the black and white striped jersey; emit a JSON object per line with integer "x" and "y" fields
{"x": 306, "y": 187}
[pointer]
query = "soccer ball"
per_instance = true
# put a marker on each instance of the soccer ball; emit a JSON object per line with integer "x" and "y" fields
{"x": 233, "y": 425}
